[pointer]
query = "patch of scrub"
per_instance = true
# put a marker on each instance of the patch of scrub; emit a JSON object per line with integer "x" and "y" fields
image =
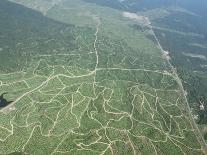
{"x": 198, "y": 45}
{"x": 195, "y": 56}
{"x": 182, "y": 10}
{"x": 157, "y": 13}
{"x": 138, "y": 18}
{"x": 204, "y": 66}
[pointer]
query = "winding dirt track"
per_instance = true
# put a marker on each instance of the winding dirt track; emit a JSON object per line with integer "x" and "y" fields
{"x": 187, "y": 107}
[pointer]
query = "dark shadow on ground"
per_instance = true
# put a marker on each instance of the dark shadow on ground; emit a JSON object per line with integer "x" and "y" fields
{"x": 3, "y": 101}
